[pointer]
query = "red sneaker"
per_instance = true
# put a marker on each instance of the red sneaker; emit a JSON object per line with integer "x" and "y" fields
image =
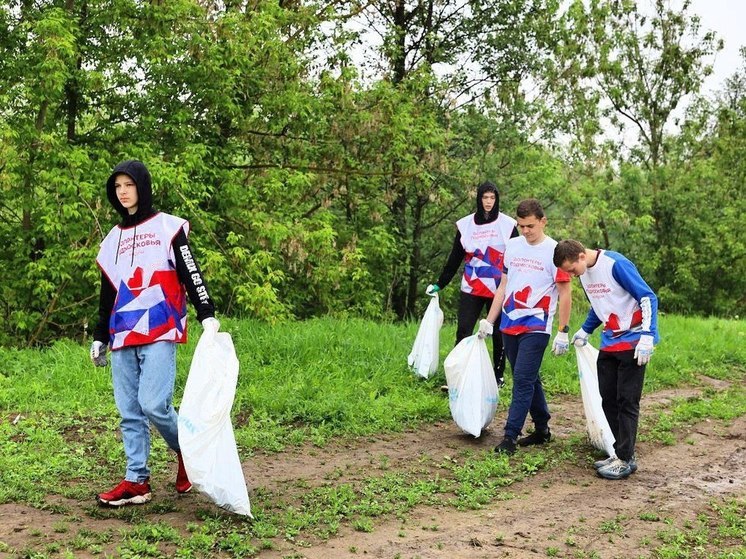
{"x": 126, "y": 493}
{"x": 183, "y": 485}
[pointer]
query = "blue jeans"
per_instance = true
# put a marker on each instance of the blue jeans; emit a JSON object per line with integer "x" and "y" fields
{"x": 143, "y": 379}
{"x": 525, "y": 353}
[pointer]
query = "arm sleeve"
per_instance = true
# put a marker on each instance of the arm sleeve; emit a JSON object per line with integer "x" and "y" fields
{"x": 106, "y": 299}
{"x": 454, "y": 261}
{"x": 591, "y": 322}
{"x": 193, "y": 281}
{"x": 630, "y": 279}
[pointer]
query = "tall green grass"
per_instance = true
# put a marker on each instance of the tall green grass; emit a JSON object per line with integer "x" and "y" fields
{"x": 298, "y": 382}
{"x": 301, "y": 382}
{"x": 325, "y": 377}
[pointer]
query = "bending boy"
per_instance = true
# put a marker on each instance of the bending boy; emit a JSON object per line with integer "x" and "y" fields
{"x": 628, "y": 309}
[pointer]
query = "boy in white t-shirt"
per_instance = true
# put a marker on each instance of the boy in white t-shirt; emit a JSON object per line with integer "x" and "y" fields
{"x": 628, "y": 309}
{"x": 527, "y": 300}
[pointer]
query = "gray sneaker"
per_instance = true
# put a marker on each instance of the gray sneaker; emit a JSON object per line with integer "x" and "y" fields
{"x": 601, "y": 463}
{"x": 618, "y": 469}
{"x": 598, "y": 464}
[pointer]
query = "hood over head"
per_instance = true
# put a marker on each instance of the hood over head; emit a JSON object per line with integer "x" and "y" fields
{"x": 139, "y": 173}
{"x": 482, "y": 217}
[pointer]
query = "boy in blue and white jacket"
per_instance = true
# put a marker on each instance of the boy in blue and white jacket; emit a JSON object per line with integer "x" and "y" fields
{"x": 628, "y": 309}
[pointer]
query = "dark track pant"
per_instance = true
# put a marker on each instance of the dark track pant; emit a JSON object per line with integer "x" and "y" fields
{"x": 620, "y": 381}
{"x": 470, "y": 308}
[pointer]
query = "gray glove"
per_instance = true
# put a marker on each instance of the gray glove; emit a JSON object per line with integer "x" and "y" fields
{"x": 580, "y": 338}
{"x": 561, "y": 343}
{"x": 485, "y": 328}
{"x": 98, "y": 354}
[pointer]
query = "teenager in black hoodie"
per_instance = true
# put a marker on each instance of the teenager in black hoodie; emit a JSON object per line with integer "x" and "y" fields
{"x": 147, "y": 271}
{"x": 480, "y": 244}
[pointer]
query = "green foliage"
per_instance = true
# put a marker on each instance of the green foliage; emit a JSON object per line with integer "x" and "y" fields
{"x": 318, "y": 187}
{"x": 667, "y": 203}
{"x": 719, "y": 533}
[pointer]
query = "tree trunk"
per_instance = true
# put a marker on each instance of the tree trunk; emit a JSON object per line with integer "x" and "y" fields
{"x": 416, "y": 256}
{"x": 399, "y": 205}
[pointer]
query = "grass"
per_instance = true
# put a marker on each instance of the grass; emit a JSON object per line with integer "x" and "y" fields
{"x": 306, "y": 383}
{"x": 723, "y": 405}
{"x": 717, "y": 533}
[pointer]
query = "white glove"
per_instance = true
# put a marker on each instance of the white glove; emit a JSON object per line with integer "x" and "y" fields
{"x": 485, "y": 328}
{"x": 211, "y": 325}
{"x": 561, "y": 343}
{"x": 644, "y": 349}
{"x": 580, "y": 338}
{"x": 98, "y": 354}
{"x": 432, "y": 289}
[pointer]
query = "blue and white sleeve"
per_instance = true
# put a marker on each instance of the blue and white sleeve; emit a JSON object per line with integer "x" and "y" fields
{"x": 591, "y": 322}
{"x": 630, "y": 279}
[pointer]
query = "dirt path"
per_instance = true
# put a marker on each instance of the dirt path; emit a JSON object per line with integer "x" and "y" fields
{"x": 565, "y": 511}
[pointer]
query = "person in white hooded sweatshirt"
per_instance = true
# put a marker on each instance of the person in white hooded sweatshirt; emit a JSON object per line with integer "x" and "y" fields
{"x": 147, "y": 272}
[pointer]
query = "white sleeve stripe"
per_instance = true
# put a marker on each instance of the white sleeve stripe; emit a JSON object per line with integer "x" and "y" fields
{"x": 647, "y": 313}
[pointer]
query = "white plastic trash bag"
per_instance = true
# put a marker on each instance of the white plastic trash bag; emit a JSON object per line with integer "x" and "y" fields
{"x": 208, "y": 446}
{"x": 599, "y": 431}
{"x": 425, "y": 352}
{"x": 472, "y": 388}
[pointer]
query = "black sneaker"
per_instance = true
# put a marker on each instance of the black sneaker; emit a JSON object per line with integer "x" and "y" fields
{"x": 537, "y": 437}
{"x": 506, "y": 447}
{"x": 500, "y": 381}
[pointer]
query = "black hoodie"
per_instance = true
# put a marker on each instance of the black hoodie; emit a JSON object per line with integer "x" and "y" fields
{"x": 138, "y": 172}
{"x": 480, "y": 218}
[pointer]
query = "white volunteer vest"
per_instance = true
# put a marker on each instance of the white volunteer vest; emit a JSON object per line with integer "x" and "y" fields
{"x": 613, "y": 305}
{"x": 150, "y": 305}
{"x": 484, "y": 246}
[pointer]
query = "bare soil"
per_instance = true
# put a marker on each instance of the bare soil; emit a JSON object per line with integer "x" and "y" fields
{"x": 564, "y": 511}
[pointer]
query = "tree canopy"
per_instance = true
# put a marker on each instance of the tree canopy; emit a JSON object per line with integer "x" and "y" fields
{"x": 322, "y": 150}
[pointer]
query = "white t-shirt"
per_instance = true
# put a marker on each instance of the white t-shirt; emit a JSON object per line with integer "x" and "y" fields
{"x": 531, "y": 292}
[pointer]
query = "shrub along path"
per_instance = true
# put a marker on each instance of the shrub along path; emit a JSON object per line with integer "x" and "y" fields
{"x": 437, "y": 493}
